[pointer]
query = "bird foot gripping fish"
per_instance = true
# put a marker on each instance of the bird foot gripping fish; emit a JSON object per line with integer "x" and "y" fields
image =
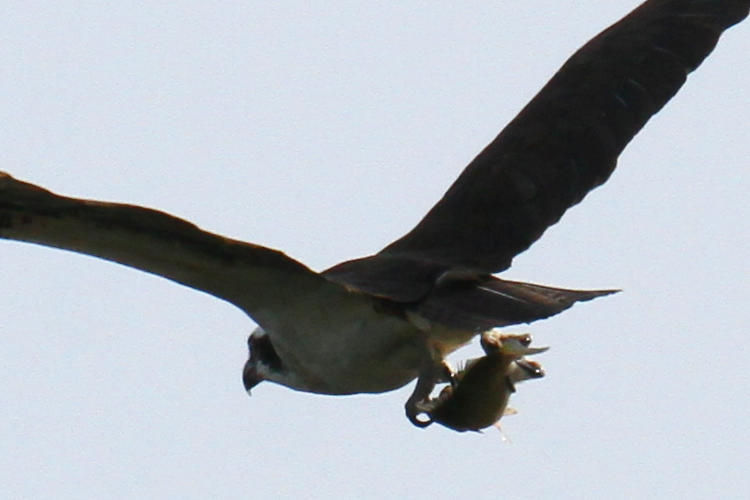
{"x": 478, "y": 394}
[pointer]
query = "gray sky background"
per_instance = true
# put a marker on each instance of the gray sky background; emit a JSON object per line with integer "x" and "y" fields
{"x": 327, "y": 129}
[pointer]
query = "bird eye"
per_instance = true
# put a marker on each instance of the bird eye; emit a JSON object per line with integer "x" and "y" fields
{"x": 525, "y": 340}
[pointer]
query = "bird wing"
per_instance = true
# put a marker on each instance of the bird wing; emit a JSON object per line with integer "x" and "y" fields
{"x": 261, "y": 281}
{"x": 564, "y": 143}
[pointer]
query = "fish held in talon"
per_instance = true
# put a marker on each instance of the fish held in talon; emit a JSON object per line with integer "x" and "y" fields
{"x": 483, "y": 387}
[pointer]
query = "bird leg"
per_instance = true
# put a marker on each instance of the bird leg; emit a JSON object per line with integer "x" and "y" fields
{"x": 434, "y": 369}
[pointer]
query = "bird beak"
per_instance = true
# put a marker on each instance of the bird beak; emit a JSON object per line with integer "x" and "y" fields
{"x": 250, "y": 377}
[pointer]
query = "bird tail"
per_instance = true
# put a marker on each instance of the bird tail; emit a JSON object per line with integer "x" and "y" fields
{"x": 479, "y": 305}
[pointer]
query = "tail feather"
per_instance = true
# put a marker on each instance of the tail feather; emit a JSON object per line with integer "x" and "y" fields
{"x": 492, "y": 302}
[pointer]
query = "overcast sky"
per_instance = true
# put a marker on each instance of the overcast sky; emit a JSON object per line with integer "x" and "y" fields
{"x": 327, "y": 129}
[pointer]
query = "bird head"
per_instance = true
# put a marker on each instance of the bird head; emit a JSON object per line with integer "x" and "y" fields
{"x": 262, "y": 360}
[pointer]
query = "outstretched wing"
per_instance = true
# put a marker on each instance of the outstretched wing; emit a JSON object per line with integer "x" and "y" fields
{"x": 259, "y": 280}
{"x": 564, "y": 143}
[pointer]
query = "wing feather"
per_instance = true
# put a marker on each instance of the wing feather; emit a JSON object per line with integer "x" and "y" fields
{"x": 259, "y": 280}
{"x": 566, "y": 141}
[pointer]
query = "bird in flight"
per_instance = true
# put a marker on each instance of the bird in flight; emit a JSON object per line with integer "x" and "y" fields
{"x": 376, "y": 323}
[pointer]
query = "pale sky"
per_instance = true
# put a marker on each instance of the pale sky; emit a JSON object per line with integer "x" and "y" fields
{"x": 327, "y": 129}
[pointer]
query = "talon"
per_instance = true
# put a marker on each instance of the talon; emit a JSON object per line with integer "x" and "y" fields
{"x": 432, "y": 369}
{"x": 413, "y": 412}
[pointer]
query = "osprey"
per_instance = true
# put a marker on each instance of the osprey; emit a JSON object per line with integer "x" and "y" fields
{"x": 376, "y": 323}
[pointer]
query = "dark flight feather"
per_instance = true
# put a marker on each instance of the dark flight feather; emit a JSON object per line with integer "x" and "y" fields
{"x": 563, "y": 144}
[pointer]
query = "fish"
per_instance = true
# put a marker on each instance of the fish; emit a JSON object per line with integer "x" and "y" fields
{"x": 478, "y": 394}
